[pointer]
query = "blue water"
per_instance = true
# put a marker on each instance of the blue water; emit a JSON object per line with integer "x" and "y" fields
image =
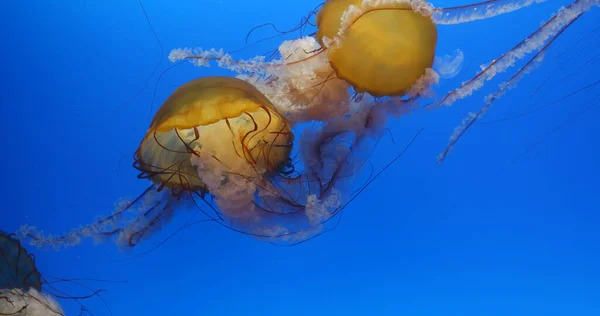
{"x": 508, "y": 225}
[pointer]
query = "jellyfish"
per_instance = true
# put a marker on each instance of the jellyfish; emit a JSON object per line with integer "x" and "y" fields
{"x": 384, "y": 50}
{"x": 388, "y": 66}
{"x": 218, "y": 146}
{"x": 23, "y": 289}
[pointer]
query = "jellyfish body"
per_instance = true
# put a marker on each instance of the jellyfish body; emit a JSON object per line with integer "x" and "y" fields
{"x": 223, "y": 117}
{"x": 382, "y": 50}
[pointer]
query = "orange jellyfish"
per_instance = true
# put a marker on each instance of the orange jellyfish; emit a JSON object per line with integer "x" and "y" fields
{"x": 217, "y": 145}
{"x": 210, "y": 133}
{"x": 384, "y": 50}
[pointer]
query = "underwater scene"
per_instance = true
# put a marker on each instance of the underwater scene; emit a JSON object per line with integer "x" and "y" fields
{"x": 345, "y": 157}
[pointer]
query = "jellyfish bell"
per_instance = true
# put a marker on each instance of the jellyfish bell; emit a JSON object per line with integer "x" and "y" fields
{"x": 380, "y": 49}
{"x": 222, "y": 117}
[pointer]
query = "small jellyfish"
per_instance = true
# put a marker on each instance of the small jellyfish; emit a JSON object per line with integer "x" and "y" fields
{"x": 21, "y": 282}
{"x": 24, "y": 290}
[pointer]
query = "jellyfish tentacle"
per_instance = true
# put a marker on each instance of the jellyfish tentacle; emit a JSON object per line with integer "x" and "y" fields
{"x": 337, "y": 213}
{"x": 531, "y": 43}
{"x": 255, "y": 66}
{"x": 141, "y": 211}
{"x": 233, "y": 137}
{"x": 170, "y": 170}
{"x": 534, "y": 62}
{"x": 155, "y": 136}
{"x": 304, "y": 21}
{"x": 245, "y": 150}
{"x": 257, "y": 133}
{"x": 478, "y": 11}
{"x": 539, "y": 108}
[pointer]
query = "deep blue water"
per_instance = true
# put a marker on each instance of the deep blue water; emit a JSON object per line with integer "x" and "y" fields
{"x": 508, "y": 225}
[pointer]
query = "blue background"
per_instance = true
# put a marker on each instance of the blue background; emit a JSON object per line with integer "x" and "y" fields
{"x": 508, "y": 225}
